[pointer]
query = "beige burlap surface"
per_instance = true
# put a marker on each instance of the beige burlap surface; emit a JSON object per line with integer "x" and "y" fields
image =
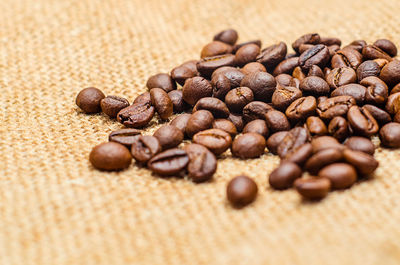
{"x": 56, "y": 209}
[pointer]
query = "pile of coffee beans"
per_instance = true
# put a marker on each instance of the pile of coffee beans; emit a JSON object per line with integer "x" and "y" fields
{"x": 316, "y": 108}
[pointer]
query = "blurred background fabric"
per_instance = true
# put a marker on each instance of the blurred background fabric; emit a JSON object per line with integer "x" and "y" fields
{"x": 56, "y": 209}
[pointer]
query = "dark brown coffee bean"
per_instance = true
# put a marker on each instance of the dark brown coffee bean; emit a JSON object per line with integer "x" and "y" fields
{"x": 371, "y": 52}
{"x": 272, "y": 55}
{"x": 199, "y": 121}
{"x": 312, "y": 38}
{"x": 341, "y": 76}
{"x": 137, "y": 115}
{"x": 225, "y": 125}
{"x": 277, "y": 121}
{"x": 241, "y": 191}
{"x": 246, "y": 54}
{"x": 110, "y": 156}
{"x": 298, "y": 73}
{"x": 169, "y": 163}
{"x": 221, "y": 86}
{"x": 228, "y": 36}
{"x": 181, "y": 121}
{"x": 364, "y": 163}
{"x": 253, "y": 67}
{"x": 215, "y": 48}
{"x": 208, "y": 65}
{"x": 178, "y": 103}
{"x": 315, "y": 70}
{"x": 255, "y": 110}
{"x": 234, "y": 75}
{"x": 196, "y": 88}
{"x": 144, "y": 148}
{"x": 305, "y": 47}
{"x": 357, "y": 45}
{"x": 184, "y": 71}
{"x": 390, "y": 135}
{"x": 341, "y": 175}
{"x": 295, "y": 138}
{"x": 248, "y": 145}
{"x": 324, "y": 142}
{"x": 163, "y": 81}
{"x": 368, "y": 68}
{"x": 238, "y": 97}
{"x": 216, "y": 140}
{"x": 346, "y": 58}
{"x": 169, "y": 136}
{"x": 339, "y": 128}
{"x": 393, "y": 103}
{"x": 362, "y": 122}
{"x": 217, "y": 107}
{"x": 262, "y": 84}
{"x": 143, "y": 98}
{"x": 275, "y": 140}
{"x": 323, "y": 158}
{"x": 299, "y": 155}
{"x": 286, "y": 66}
{"x": 240, "y": 45}
{"x": 257, "y": 126}
{"x": 377, "y": 90}
{"x": 111, "y": 105}
{"x": 124, "y": 136}
{"x": 390, "y": 73}
{"x": 237, "y": 120}
{"x": 161, "y": 101}
{"x": 387, "y": 46}
{"x": 89, "y": 99}
{"x": 202, "y": 163}
{"x": 317, "y": 55}
{"x": 336, "y": 106}
{"x": 313, "y": 188}
{"x": 381, "y": 116}
{"x": 316, "y": 126}
{"x": 328, "y": 41}
{"x": 284, "y": 96}
{"x": 301, "y": 109}
{"x": 283, "y": 176}
{"x": 314, "y": 85}
{"x": 285, "y": 80}
{"x": 357, "y": 91}
{"x": 361, "y": 144}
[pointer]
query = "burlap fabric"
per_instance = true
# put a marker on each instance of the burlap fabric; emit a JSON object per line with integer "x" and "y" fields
{"x": 56, "y": 209}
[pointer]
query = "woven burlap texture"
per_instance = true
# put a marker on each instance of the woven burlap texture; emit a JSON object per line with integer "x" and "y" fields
{"x": 56, "y": 209}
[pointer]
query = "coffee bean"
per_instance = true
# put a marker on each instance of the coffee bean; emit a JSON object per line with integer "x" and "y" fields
{"x": 255, "y": 110}
{"x": 181, "y": 121}
{"x": 216, "y": 140}
{"x": 89, "y": 99}
{"x": 324, "y": 142}
{"x": 262, "y": 84}
{"x": 169, "y": 163}
{"x": 305, "y": 47}
{"x": 277, "y": 121}
{"x": 335, "y": 106}
{"x": 317, "y": 55}
{"x": 299, "y": 155}
{"x": 361, "y": 144}
{"x": 390, "y": 135}
{"x": 234, "y": 75}
{"x": 124, "y": 136}
{"x": 144, "y": 148}
{"x": 364, "y": 163}
{"x": 136, "y": 115}
{"x": 371, "y": 52}
{"x": 176, "y": 97}
{"x": 111, "y": 105}
{"x": 253, "y": 67}
{"x": 110, "y": 156}
{"x": 377, "y": 90}
{"x": 362, "y": 122}
{"x": 314, "y": 85}
{"x": 246, "y": 54}
{"x": 390, "y": 73}
{"x": 312, "y": 38}
{"x": 221, "y": 86}
{"x": 381, "y": 62}
{"x": 217, "y": 108}
{"x": 257, "y": 126}
{"x": 341, "y": 76}
{"x": 275, "y": 140}
{"x": 241, "y": 191}
{"x": 393, "y": 103}
{"x": 228, "y": 36}
{"x": 339, "y": 128}
{"x": 169, "y": 136}
{"x": 286, "y": 66}
{"x": 316, "y": 126}
{"x": 240, "y": 45}
{"x": 163, "y": 81}
{"x": 313, "y": 188}
{"x": 381, "y": 116}
{"x": 184, "y": 71}
{"x": 248, "y": 145}
{"x": 143, "y": 98}
{"x": 225, "y": 125}
{"x": 208, "y": 65}
{"x": 354, "y": 90}
{"x": 387, "y": 46}
{"x": 357, "y": 45}
{"x": 237, "y": 98}
{"x": 283, "y": 176}
{"x": 295, "y": 138}
{"x": 237, "y": 120}
{"x": 215, "y": 48}
{"x": 196, "y": 88}
{"x": 323, "y": 158}
{"x": 315, "y": 70}
{"x": 161, "y": 101}
{"x": 272, "y": 55}
{"x": 368, "y": 68}
{"x": 341, "y": 175}
{"x": 285, "y": 80}
{"x": 199, "y": 121}
{"x": 346, "y": 58}
{"x": 301, "y": 108}
{"x": 284, "y": 96}
{"x": 202, "y": 163}
{"x": 298, "y": 73}
{"x": 328, "y": 41}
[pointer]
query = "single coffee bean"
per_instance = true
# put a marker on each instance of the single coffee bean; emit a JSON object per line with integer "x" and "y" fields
{"x": 199, "y": 121}
{"x": 387, "y": 46}
{"x": 346, "y": 58}
{"x": 357, "y": 45}
{"x": 284, "y": 96}
{"x": 246, "y": 54}
{"x": 381, "y": 116}
{"x": 176, "y": 97}
{"x": 137, "y": 115}
{"x": 237, "y": 98}
{"x": 255, "y": 110}
{"x": 305, "y": 47}
{"x": 283, "y": 176}
{"x": 298, "y": 73}
{"x": 144, "y": 148}
{"x": 341, "y": 175}
{"x": 377, "y": 90}
{"x": 234, "y": 75}
{"x": 253, "y": 67}
{"x": 277, "y": 121}
{"x": 217, "y": 107}
{"x": 184, "y": 71}
{"x": 339, "y": 128}
{"x": 161, "y": 101}
{"x": 395, "y": 89}
{"x": 111, "y": 105}
{"x": 314, "y": 85}
{"x": 317, "y": 55}
{"x": 124, "y": 136}
{"x": 225, "y": 125}
{"x": 328, "y": 41}
{"x": 237, "y": 120}
{"x": 241, "y": 191}
{"x": 228, "y": 36}
{"x": 316, "y": 126}
{"x": 275, "y": 140}
{"x": 215, "y": 48}
{"x": 357, "y": 91}
{"x": 285, "y": 80}
{"x": 295, "y": 138}
{"x": 202, "y": 163}
{"x": 110, "y": 156}
{"x": 299, "y": 155}
{"x": 216, "y": 140}
{"x": 208, "y": 65}
{"x": 272, "y": 55}
{"x": 390, "y": 135}
{"x": 315, "y": 70}
{"x": 368, "y": 68}
{"x": 240, "y": 45}
{"x": 169, "y": 163}
{"x": 341, "y": 76}
{"x": 312, "y": 38}
{"x": 362, "y": 122}
{"x": 89, "y": 99}
{"x": 361, "y": 144}
{"x": 257, "y": 126}
{"x": 286, "y": 66}
{"x": 262, "y": 84}
{"x": 364, "y": 163}
{"x": 143, "y": 98}
{"x": 335, "y": 106}
{"x": 169, "y": 136}
{"x": 324, "y": 142}
{"x": 313, "y": 188}
{"x": 221, "y": 86}
{"x": 371, "y": 52}
{"x": 393, "y": 103}
{"x": 196, "y": 88}
{"x": 248, "y": 145}
{"x": 181, "y": 121}
{"x": 390, "y": 73}
{"x": 323, "y": 158}
{"x": 301, "y": 109}
{"x": 163, "y": 81}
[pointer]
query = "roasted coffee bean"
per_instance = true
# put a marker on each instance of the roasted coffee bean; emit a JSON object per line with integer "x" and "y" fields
{"x": 262, "y": 84}
{"x": 336, "y": 106}
{"x": 89, "y": 99}
{"x": 357, "y": 45}
{"x": 234, "y": 75}
{"x": 377, "y": 90}
{"x": 257, "y": 126}
{"x": 255, "y": 110}
{"x": 181, "y": 121}
{"x": 199, "y": 121}
{"x": 381, "y": 116}
{"x": 202, "y": 163}
{"x": 237, "y": 120}
{"x": 390, "y": 73}
{"x": 285, "y": 80}
{"x": 314, "y": 85}
{"x": 371, "y": 52}
{"x": 324, "y": 142}
{"x": 295, "y": 138}
{"x": 184, "y": 71}
{"x": 339, "y": 128}
{"x": 364, "y": 163}
{"x": 283, "y": 176}
{"x": 272, "y": 55}
{"x": 323, "y": 158}
{"x": 161, "y": 80}
{"x": 161, "y": 101}
{"x": 238, "y": 97}
{"x": 328, "y": 41}
{"x": 208, "y": 65}
{"x": 215, "y": 48}
{"x": 356, "y": 91}
{"x": 299, "y": 155}
{"x": 361, "y": 144}
{"x": 277, "y": 121}
{"x": 387, "y": 46}
{"x": 169, "y": 136}
{"x": 178, "y": 103}
{"x": 253, "y": 67}
{"x": 284, "y": 96}
{"x": 169, "y": 163}
{"x": 275, "y": 140}
{"x": 111, "y": 105}
{"x": 248, "y": 145}
{"x": 313, "y": 188}
{"x": 286, "y": 66}
{"x": 315, "y": 70}
{"x": 216, "y": 140}
{"x": 362, "y": 122}
{"x": 316, "y": 126}
{"x": 246, "y": 54}
{"x": 217, "y": 107}
{"x": 341, "y": 175}
{"x": 301, "y": 108}
{"x": 228, "y": 36}
{"x": 390, "y": 135}
{"x": 341, "y": 76}
{"x": 196, "y": 88}
{"x": 298, "y": 73}
{"x": 221, "y": 86}
{"x": 333, "y": 49}
{"x": 144, "y": 148}
{"x": 312, "y": 38}
{"x": 393, "y": 103}
{"x": 305, "y": 47}
{"x": 395, "y": 89}
{"x": 110, "y": 156}
{"x": 136, "y": 115}
{"x": 225, "y": 125}
{"x": 368, "y": 68}
{"x": 124, "y": 136}
{"x": 317, "y": 55}
{"x": 241, "y": 191}
{"x": 143, "y": 98}
{"x": 346, "y": 58}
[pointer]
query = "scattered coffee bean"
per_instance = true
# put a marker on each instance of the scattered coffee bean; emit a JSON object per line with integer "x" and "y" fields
{"x": 234, "y": 75}
{"x": 241, "y": 191}
{"x": 215, "y": 48}
{"x": 277, "y": 121}
{"x": 314, "y": 85}
{"x": 221, "y": 86}
{"x": 248, "y": 145}
{"x": 124, "y": 136}
{"x": 202, "y": 163}
{"x": 316, "y": 55}
{"x": 262, "y": 84}
{"x": 169, "y": 136}
{"x": 373, "y": 52}
{"x": 390, "y": 73}
{"x": 217, "y": 107}
{"x": 346, "y": 58}
{"x": 322, "y": 158}
{"x": 163, "y": 81}
{"x": 237, "y": 98}
{"x": 356, "y": 91}
{"x": 393, "y": 103}
{"x": 143, "y": 98}
{"x": 286, "y": 66}
{"x": 246, "y": 54}
{"x": 136, "y": 115}
{"x": 237, "y": 120}
{"x": 315, "y": 70}
{"x": 225, "y": 125}
{"x": 368, "y": 68}
{"x": 339, "y": 128}
{"x": 257, "y": 126}
{"x": 313, "y": 188}
{"x": 274, "y": 141}
{"x": 89, "y": 99}
{"x": 312, "y": 38}
{"x": 272, "y": 55}
{"x": 335, "y": 106}
{"x": 376, "y": 90}
{"x": 199, "y": 121}
{"x": 285, "y": 80}
{"x": 387, "y": 46}
{"x": 390, "y": 135}
{"x": 301, "y": 109}
{"x": 184, "y": 71}
{"x": 208, "y": 65}
{"x": 176, "y": 97}
{"x": 111, "y": 105}
{"x": 364, "y": 163}
{"x": 341, "y": 76}
{"x": 341, "y": 175}
{"x": 295, "y": 138}
{"x": 228, "y": 36}
{"x": 110, "y": 156}
{"x": 357, "y": 45}
{"x": 216, "y": 140}
{"x": 169, "y": 163}
{"x": 284, "y": 96}
{"x": 181, "y": 121}
{"x": 255, "y": 110}
{"x": 316, "y": 126}
{"x": 362, "y": 122}
{"x": 162, "y": 103}
{"x": 196, "y": 88}
{"x": 144, "y": 148}
{"x": 253, "y": 67}
{"x": 325, "y": 142}
{"x": 240, "y": 45}
{"x": 381, "y": 116}
{"x": 299, "y": 155}
{"x": 283, "y": 176}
